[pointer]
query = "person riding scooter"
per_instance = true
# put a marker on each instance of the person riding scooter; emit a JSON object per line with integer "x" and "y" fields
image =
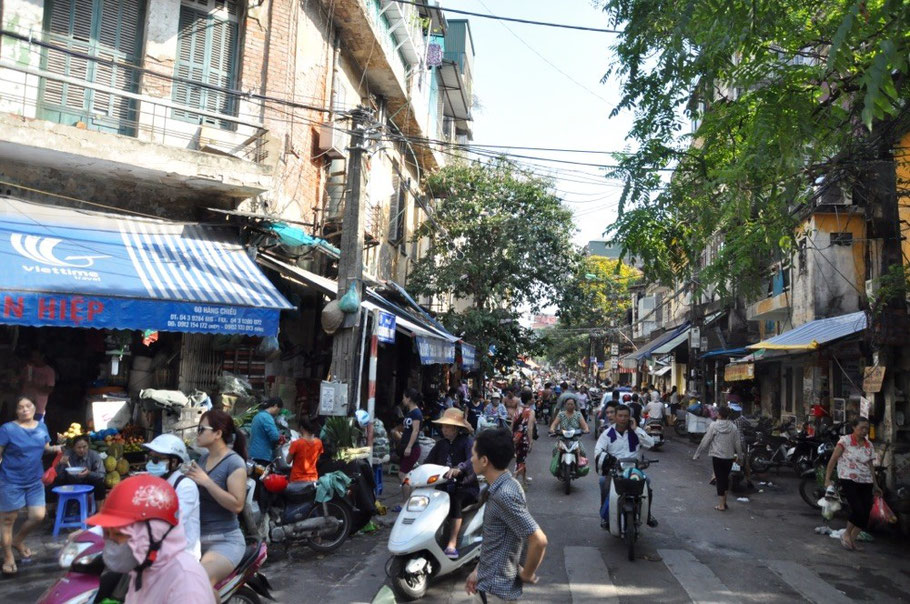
{"x": 167, "y": 453}
{"x": 622, "y": 440}
{"x": 143, "y": 537}
{"x": 454, "y": 451}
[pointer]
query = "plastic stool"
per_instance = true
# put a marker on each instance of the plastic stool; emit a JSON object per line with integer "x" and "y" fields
{"x": 377, "y": 477}
{"x": 82, "y": 495}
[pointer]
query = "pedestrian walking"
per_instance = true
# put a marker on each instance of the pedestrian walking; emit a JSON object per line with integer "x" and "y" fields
{"x": 23, "y": 442}
{"x": 854, "y": 456}
{"x": 507, "y": 524}
{"x": 723, "y": 444}
{"x": 523, "y": 426}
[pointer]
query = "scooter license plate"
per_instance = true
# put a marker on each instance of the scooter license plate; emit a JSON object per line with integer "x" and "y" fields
{"x": 735, "y": 468}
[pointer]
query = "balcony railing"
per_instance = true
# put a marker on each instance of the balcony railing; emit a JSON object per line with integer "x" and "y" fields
{"x": 33, "y": 88}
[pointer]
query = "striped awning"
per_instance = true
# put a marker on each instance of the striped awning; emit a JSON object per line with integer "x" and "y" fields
{"x": 74, "y": 268}
{"x": 815, "y": 333}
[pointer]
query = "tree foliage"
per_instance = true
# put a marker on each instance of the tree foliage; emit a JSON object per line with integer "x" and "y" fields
{"x": 789, "y": 100}
{"x": 598, "y": 293}
{"x": 500, "y": 242}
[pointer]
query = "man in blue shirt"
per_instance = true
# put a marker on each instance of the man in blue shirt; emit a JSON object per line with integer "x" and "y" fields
{"x": 263, "y": 432}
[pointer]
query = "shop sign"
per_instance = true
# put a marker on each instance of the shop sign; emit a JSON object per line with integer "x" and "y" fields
{"x": 435, "y": 350}
{"x": 614, "y": 350}
{"x": 873, "y": 378}
{"x": 737, "y": 372}
{"x": 63, "y": 310}
{"x": 385, "y": 327}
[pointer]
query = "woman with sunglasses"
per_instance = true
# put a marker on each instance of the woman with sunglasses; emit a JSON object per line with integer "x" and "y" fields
{"x": 167, "y": 453}
{"x": 221, "y": 476}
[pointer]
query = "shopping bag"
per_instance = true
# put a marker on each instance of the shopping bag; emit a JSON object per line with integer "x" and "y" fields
{"x": 51, "y": 475}
{"x": 881, "y": 514}
{"x": 554, "y": 464}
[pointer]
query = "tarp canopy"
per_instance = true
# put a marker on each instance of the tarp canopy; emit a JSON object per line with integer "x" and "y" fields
{"x": 670, "y": 346}
{"x": 815, "y": 333}
{"x": 74, "y": 268}
{"x": 724, "y": 352}
{"x": 648, "y": 349}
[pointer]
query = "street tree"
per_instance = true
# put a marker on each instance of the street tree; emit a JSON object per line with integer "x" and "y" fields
{"x": 500, "y": 245}
{"x": 595, "y": 299}
{"x": 758, "y": 109}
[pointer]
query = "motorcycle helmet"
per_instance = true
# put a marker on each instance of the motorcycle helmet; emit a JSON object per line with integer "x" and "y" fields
{"x": 275, "y": 483}
{"x": 362, "y": 416}
{"x": 332, "y": 317}
{"x": 168, "y": 444}
{"x": 137, "y": 499}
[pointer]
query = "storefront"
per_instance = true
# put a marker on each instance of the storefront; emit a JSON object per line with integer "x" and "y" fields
{"x": 106, "y": 299}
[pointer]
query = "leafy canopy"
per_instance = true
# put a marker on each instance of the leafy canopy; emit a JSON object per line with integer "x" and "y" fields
{"x": 597, "y": 293}
{"x": 500, "y": 242}
{"x": 758, "y": 108}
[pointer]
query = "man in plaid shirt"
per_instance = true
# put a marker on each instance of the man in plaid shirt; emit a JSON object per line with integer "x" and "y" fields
{"x": 499, "y": 576}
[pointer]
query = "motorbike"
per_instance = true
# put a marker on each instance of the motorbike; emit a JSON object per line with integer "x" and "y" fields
{"x": 655, "y": 429}
{"x": 769, "y": 451}
{"x": 629, "y": 498}
{"x": 416, "y": 541}
{"x": 85, "y": 574}
{"x": 287, "y": 512}
{"x": 567, "y": 463}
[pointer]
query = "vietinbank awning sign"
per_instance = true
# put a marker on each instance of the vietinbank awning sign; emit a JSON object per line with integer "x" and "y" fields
{"x": 86, "y": 269}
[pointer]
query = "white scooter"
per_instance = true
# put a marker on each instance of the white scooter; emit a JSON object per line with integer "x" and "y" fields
{"x": 418, "y": 538}
{"x": 629, "y": 499}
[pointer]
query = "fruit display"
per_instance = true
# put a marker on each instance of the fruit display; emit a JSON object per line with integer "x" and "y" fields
{"x": 73, "y": 431}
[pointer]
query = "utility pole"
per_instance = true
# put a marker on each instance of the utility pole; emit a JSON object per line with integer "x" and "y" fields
{"x": 345, "y": 345}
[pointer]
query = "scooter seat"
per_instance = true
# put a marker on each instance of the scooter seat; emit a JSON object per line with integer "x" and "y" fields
{"x": 251, "y": 552}
{"x": 298, "y": 491}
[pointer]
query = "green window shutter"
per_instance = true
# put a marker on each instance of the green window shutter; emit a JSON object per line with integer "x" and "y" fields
{"x": 119, "y": 41}
{"x": 208, "y": 46}
{"x": 69, "y": 25}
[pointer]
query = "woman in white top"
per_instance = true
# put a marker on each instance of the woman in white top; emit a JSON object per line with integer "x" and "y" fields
{"x": 167, "y": 453}
{"x": 854, "y": 456}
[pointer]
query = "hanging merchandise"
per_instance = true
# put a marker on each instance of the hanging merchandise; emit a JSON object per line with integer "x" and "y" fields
{"x": 434, "y": 55}
{"x": 269, "y": 348}
{"x": 332, "y": 317}
{"x": 149, "y": 337}
{"x": 350, "y": 302}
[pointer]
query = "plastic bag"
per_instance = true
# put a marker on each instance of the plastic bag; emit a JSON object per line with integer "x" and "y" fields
{"x": 881, "y": 514}
{"x": 51, "y": 475}
{"x": 350, "y": 301}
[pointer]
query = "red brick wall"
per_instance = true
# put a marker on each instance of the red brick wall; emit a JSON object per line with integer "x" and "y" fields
{"x": 287, "y": 55}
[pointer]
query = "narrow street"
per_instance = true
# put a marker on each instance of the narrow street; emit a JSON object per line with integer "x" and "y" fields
{"x": 761, "y": 551}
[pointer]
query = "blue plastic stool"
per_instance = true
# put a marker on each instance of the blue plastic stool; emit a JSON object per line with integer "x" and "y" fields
{"x": 377, "y": 477}
{"x": 82, "y": 495}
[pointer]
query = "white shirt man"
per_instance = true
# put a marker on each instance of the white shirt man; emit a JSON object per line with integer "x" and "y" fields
{"x": 655, "y": 410}
{"x": 617, "y": 443}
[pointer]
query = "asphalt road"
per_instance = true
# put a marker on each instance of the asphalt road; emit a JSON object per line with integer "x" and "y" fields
{"x": 764, "y": 550}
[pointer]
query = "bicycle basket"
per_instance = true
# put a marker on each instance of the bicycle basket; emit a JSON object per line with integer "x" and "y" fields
{"x": 626, "y": 486}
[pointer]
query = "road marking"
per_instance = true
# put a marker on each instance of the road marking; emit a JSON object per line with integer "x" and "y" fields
{"x": 698, "y": 580}
{"x": 589, "y": 579}
{"x": 807, "y": 583}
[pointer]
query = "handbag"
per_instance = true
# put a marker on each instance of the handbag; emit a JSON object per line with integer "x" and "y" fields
{"x": 51, "y": 474}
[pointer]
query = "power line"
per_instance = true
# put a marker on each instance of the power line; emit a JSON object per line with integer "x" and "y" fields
{"x": 512, "y": 19}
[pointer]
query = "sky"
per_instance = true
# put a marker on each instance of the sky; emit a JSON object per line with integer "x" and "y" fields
{"x": 540, "y": 87}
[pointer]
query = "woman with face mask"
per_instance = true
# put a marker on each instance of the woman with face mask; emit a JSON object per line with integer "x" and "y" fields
{"x": 142, "y": 537}
{"x": 167, "y": 453}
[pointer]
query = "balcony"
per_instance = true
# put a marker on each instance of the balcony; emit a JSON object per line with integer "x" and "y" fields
{"x": 94, "y": 120}
{"x": 777, "y": 305}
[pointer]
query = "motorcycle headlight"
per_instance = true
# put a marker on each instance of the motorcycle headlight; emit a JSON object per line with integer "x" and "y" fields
{"x": 418, "y": 503}
{"x": 70, "y": 551}
{"x": 84, "y": 563}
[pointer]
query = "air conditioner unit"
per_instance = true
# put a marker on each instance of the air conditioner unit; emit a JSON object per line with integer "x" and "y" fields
{"x": 836, "y": 195}
{"x": 333, "y": 141}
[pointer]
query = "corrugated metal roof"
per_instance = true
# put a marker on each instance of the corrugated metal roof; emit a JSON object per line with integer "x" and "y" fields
{"x": 815, "y": 333}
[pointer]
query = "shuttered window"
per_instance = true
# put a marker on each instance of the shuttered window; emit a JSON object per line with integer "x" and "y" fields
{"x": 208, "y": 54}
{"x": 398, "y": 210}
{"x": 110, "y": 30}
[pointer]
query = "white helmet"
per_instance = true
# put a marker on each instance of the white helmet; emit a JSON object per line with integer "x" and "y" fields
{"x": 168, "y": 444}
{"x": 363, "y": 417}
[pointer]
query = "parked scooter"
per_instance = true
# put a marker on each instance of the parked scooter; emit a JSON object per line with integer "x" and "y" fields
{"x": 81, "y": 557}
{"x": 568, "y": 464}
{"x": 286, "y": 512}
{"x": 629, "y": 499}
{"x": 415, "y": 541}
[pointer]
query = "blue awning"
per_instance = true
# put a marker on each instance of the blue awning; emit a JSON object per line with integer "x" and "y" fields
{"x": 724, "y": 352}
{"x": 645, "y": 351}
{"x": 815, "y": 333}
{"x": 73, "y": 268}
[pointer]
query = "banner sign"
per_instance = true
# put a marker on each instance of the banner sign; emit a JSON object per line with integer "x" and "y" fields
{"x": 37, "y": 309}
{"x": 435, "y": 350}
{"x": 468, "y": 356}
{"x": 385, "y": 328}
{"x": 738, "y": 372}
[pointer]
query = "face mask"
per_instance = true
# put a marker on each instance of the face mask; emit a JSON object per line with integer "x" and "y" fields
{"x": 118, "y": 557}
{"x": 156, "y": 469}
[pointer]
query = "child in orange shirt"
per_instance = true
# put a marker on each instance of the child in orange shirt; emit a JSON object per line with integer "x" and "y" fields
{"x": 304, "y": 453}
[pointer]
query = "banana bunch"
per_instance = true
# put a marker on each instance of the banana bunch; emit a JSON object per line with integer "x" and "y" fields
{"x": 73, "y": 431}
